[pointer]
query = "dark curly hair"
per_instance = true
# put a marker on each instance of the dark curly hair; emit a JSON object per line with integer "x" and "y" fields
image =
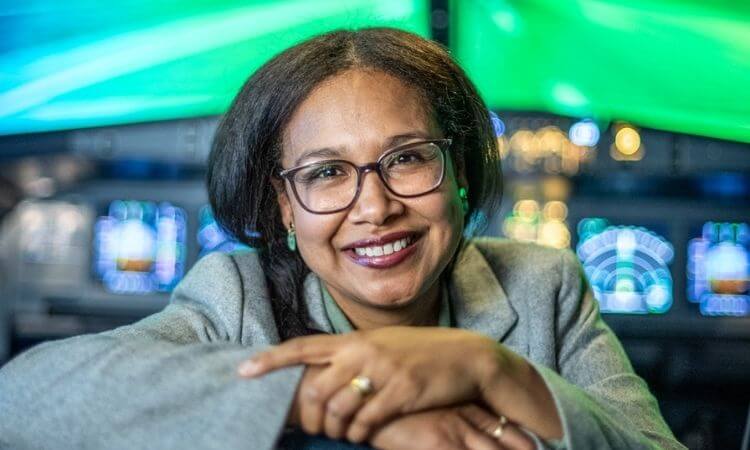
{"x": 247, "y": 147}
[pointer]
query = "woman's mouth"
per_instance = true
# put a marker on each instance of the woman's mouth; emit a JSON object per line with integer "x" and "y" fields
{"x": 387, "y": 249}
{"x": 385, "y": 255}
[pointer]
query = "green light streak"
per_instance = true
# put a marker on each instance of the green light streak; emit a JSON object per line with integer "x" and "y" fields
{"x": 678, "y": 66}
{"x": 169, "y": 67}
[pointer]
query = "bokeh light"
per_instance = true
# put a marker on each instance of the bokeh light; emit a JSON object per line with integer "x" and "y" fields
{"x": 584, "y": 133}
{"x": 627, "y": 141}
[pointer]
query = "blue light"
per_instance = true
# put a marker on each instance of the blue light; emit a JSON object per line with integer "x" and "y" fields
{"x": 726, "y": 184}
{"x": 584, "y": 133}
{"x": 497, "y": 124}
{"x": 627, "y": 267}
{"x": 212, "y": 238}
{"x": 718, "y": 270}
{"x": 140, "y": 247}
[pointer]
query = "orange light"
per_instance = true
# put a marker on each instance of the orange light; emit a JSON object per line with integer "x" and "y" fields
{"x": 627, "y": 141}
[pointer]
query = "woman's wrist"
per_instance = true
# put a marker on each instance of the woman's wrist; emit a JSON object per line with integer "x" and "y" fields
{"x": 493, "y": 376}
{"x": 512, "y": 387}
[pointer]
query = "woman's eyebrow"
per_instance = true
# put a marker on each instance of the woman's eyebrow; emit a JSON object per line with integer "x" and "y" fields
{"x": 325, "y": 152}
{"x": 405, "y": 137}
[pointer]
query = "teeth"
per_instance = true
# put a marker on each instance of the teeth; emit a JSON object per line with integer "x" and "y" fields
{"x": 386, "y": 249}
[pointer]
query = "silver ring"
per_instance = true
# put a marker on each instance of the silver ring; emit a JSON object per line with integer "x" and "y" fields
{"x": 497, "y": 433}
{"x": 362, "y": 385}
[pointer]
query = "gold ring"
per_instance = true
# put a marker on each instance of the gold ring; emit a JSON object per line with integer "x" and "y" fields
{"x": 497, "y": 433}
{"x": 362, "y": 385}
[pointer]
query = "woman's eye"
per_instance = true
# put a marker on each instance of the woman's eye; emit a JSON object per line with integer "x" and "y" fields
{"x": 322, "y": 173}
{"x": 408, "y": 157}
{"x": 326, "y": 172}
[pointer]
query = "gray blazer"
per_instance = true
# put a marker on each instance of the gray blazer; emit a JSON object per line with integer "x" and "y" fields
{"x": 169, "y": 380}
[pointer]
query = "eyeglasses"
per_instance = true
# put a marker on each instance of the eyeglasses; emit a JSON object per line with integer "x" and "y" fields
{"x": 331, "y": 186}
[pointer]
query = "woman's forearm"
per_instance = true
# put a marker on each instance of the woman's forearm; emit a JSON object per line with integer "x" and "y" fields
{"x": 513, "y": 388}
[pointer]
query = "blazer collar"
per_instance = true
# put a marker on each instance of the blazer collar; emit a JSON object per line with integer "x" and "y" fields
{"x": 478, "y": 301}
{"x": 316, "y": 311}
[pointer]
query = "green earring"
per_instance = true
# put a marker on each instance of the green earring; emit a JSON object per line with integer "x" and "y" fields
{"x": 463, "y": 194}
{"x": 291, "y": 238}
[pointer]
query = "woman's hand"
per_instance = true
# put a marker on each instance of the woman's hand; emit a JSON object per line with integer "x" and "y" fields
{"x": 465, "y": 427}
{"x": 462, "y": 427}
{"x": 412, "y": 369}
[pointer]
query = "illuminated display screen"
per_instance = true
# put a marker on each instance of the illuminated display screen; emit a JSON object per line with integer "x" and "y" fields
{"x": 718, "y": 269}
{"x": 627, "y": 266}
{"x": 139, "y": 247}
{"x": 210, "y": 236}
{"x": 549, "y": 55}
{"x": 79, "y": 64}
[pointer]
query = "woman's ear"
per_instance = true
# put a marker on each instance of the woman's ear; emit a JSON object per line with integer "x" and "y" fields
{"x": 282, "y": 198}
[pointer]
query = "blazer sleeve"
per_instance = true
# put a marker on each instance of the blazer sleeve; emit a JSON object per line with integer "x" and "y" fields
{"x": 166, "y": 382}
{"x": 602, "y": 403}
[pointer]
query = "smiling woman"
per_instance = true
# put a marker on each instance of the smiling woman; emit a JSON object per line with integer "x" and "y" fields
{"x": 368, "y": 314}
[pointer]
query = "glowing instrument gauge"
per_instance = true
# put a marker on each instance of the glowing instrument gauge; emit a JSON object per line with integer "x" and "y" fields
{"x": 627, "y": 266}
{"x": 139, "y": 247}
{"x": 718, "y": 269}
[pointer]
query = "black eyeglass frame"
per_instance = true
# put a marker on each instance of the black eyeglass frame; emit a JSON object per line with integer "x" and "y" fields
{"x": 443, "y": 145}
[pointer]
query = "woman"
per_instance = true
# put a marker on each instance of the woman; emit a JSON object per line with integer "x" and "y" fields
{"x": 359, "y": 157}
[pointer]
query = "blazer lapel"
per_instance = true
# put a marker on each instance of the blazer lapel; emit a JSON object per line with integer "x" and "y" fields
{"x": 478, "y": 300}
{"x": 316, "y": 313}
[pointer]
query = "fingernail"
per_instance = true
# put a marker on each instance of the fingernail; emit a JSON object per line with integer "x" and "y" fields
{"x": 248, "y": 368}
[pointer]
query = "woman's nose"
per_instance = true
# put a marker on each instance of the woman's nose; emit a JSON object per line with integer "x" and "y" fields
{"x": 375, "y": 203}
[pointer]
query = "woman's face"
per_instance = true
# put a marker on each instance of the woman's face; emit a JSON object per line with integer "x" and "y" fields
{"x": 357, "y": 116}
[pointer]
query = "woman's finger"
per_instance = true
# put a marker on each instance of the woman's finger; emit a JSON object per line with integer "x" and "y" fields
{"x": 481, "y": 421}
{"x": 475, "y": 439}
{"x": 304, "y": 350}
{"x": 316, "y": 395}
{"x": 512, "y": 437}
{"x": 478, "y": 417}
{"x": 515, "y": 439}
{"x": 340, "y": 409}
{"x": 380, "y": 407}
{"x": 470, "y": 438}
